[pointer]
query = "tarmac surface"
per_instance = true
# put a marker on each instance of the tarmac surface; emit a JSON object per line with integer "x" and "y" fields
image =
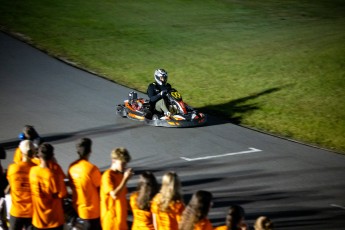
{"x": 297, "y": 186}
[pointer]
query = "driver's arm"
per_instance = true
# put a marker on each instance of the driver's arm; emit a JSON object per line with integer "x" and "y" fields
{"x": 151, "y": 94}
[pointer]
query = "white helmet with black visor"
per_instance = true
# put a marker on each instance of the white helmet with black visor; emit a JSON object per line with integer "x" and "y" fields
{"x": 161, "y": 76}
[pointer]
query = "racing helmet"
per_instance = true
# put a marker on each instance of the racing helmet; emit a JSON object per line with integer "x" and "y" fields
{"x": 161, "y": 73}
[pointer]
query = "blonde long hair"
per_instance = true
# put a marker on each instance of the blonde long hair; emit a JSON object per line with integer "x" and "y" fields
{"x": 170, "y": 191}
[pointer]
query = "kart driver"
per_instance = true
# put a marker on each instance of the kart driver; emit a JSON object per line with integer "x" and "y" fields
{"x": 157, "y": 90}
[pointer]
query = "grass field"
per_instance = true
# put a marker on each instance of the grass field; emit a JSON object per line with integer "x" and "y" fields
{"x": 277, "y": 66}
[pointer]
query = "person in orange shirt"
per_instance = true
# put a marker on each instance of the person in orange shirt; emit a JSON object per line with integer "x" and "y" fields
{"x": 167, "y": 206}
{"x": 113, "y": 191}
{"x": 140, "y": 202}
{"x": 194, "y": 217}
{"x": 85, "y": 180}
{"x": 18, "y": 178}
{"x": 47, "y": 192}
{"x": 234, "y": 219}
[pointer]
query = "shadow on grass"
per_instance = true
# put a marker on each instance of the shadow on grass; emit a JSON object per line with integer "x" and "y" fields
{"x": 234, "y": 110}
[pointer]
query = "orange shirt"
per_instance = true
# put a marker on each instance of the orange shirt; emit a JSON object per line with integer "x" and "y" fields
{"x": 85, "y": 179}
{"x": 203, "y": 224}
{"x": 113, "y": 211}
{"x": 59, "y": 176}
{"x": 142, "y": 219}
{"x": 18, "y": 178}
{"x": 221, "y": 228}
{"x": 17, "y": 156}
{"x": 35, "y": 160}
{"x": 167, "y": 220}
{"x": 46, "y": 198}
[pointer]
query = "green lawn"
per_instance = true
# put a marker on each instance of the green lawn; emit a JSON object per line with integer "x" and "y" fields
{"x": 277, "y": 66}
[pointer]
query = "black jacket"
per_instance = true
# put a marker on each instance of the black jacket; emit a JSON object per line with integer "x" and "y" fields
{"x": 153, "y": 91}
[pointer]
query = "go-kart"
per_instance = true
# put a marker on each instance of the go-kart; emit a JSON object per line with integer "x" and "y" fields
{"x": 182, "y": 115}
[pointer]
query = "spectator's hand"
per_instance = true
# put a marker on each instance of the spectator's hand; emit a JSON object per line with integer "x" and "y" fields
{"x": 112, "y": 194}
{"x": 128, "y": 173}
{"x": 163, "y": 92}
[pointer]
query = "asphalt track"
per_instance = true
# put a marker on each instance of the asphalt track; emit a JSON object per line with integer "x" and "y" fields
{"x": 297, "y": 186}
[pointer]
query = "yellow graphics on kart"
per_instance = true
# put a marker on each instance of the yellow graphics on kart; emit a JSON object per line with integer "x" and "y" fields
{"x": 176, "y": 95}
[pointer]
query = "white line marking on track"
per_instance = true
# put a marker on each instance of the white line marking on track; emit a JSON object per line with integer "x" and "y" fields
{"x": 338, "y": 206}
{"x": 252, "y": 150}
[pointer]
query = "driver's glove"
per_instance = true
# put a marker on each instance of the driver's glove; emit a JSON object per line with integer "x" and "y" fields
{"x": 163, "y": 93}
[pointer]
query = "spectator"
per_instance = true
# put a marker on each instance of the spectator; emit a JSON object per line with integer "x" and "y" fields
{"x": 85, "y": 179}
{"x": 18, "y": 177}
{"x": 47, "y": 192}
{"x": 234, "y": 219}
{"x": 113, "y": 191}
{"x": 263, "y": 223}
{"x": 194, "y": 217}
{"x": 140, "y": 202}
{"x": 167, "y": 206}
{"x": 29, "y": 133}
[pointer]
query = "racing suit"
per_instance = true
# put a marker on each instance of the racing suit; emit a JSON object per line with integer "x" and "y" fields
{"x": 157, "y": 101}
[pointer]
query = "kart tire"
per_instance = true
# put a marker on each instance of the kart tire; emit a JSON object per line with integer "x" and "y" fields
{"x": 148, "y": 115}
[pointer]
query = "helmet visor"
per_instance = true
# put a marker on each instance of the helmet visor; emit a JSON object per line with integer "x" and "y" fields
{"x": 163, "y": 79}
